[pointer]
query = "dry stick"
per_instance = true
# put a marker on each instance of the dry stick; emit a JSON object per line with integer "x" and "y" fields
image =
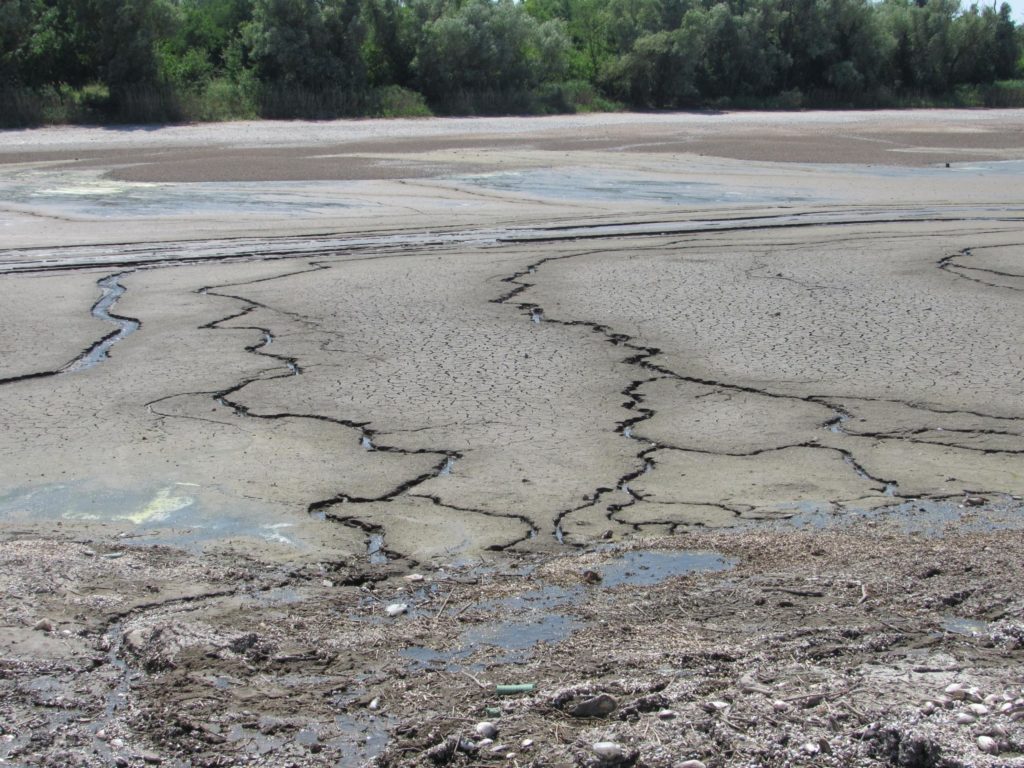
{"x": 443, "y": 606}
{"x": 863, "y": 594}
{"x": 475, "y": 680}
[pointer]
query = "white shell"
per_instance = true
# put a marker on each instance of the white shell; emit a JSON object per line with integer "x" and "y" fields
{"x": 608, "y": 750}
{"x": 396, "y": 609}
{"x": 956, "y": 691}
{"x": 988, "y": 744}
{"x": 526, "y": 743}
{"x": 486, "y": 729}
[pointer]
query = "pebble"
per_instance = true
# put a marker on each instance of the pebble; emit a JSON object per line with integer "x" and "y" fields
{"x": 928, "y": 708}
{"x": 609, "y": 750}
{"x": 526, "y": 743}
{"x": 974, "y": 501}
{"x": 485, "y": 743}
{"x": 43, "y": 625}
{"x": 978, "y": 709}
{"x": 691, "y": 764}
{"x": 396, "y": 609}
{"x": 327, "y": 582}
{"x": 988, "y": 744}
{"x": 666, "y": 714}
{"x": 414, "y": 577}
{"x": 966, "y": 718}
{"x": 374, "y": 703}
{"x": 781, "y": 706}
{"x": 487, "y": 729}
{"x": 117, "y": 743}
{"x": 956, "y": 691}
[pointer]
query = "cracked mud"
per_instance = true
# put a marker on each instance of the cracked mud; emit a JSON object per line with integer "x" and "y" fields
{"x": 235, "y": 447}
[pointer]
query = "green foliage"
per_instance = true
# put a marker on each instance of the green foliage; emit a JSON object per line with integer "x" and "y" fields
{"x": 159, "y": 60}
{"x": 396, "y": 101}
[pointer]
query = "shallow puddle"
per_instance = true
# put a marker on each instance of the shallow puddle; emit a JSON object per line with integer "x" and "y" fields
{"x": 586, "y": 184}
{"x": 653, "y": 566}
{"x": 172, "y": 515}
{"x": 541, "y": 615}
{"x": 961, "y": 626}
{"x": 927, "y": 517}
{"x": 83, "y": 194}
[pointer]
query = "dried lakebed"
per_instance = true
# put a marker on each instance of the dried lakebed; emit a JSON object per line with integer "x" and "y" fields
{"x": 737, "y": 484}
{"x": 267, "y": 641}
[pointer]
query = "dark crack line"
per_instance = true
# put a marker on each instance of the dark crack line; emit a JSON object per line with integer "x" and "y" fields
{"x": 948, "y": 264}
{"x": 111, "y": 291}
{"x": 643, "y": 358}
{"x": 319, "y": 509}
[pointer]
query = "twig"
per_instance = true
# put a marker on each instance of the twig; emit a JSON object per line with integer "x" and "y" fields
{"x": 474, "y": 679}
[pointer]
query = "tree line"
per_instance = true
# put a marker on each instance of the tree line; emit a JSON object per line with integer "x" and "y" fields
{"x": 67, "y": 60}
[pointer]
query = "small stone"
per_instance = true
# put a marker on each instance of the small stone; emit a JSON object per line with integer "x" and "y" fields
{"x": 599, "y": 706}
{"x": 978, "y": 709}
{"x": 609, "y": 751}
{"x": 396, "y": 609}
{"x": 327, "y": 582}
{"x": 117, "y": 743}
{"x": 974, "y": 501}
{"x": 486, "y": 729}
{"x": 1016, "y": 717}
{"x": 1006, "y": 706}
{"x": 374, "y": 703}
{"x": 150, "y": 758}
{"x": 988, "y": 744}
{"x": 973, "y": 694}
{"x": 666, "y": 714}
{"x": 966, "y": 718}
{"x": 956, "y": 691}
{"x": 781, "y": 706}
{"x": 928, "y": 708}
{"x": 715, "y": 706}
{"x": 414, "y": 577}
{"x": 484, "y": 743}
{"x": 43, "y": 625}
{"x": 690, "y": 764}
{"x": 811, "y": 748}
{"x": 101, "y": 735}
{"x": 590, "y": 576}
{"x": 526, "y": 743}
